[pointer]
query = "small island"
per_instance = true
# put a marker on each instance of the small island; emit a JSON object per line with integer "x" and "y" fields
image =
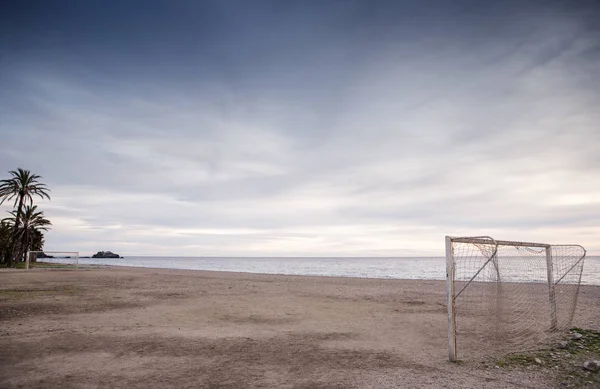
{"x": 106, "y": 254}
{"x": 42, "y": 255}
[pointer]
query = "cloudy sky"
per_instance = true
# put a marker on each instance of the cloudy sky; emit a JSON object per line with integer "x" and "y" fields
{"x": 298, "y": 128}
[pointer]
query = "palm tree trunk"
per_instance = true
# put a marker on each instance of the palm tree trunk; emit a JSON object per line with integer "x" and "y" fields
{"x": 19, "y": 255}
{"x": 16, "y": 230}
{"x": 26, "y": 248}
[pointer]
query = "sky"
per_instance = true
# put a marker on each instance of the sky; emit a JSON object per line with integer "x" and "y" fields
{"x": 304, "y": 128}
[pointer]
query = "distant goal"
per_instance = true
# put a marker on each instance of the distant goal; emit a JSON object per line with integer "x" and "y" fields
{"x": 508, "y": 296}
{"x": 66, "y": 259}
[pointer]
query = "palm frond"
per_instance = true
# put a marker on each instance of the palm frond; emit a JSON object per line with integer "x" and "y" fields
{"x": 22, "y": 185}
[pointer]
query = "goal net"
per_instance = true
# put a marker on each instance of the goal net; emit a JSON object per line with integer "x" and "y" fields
{"x": 63, "y": 259}
{"x": 509, "y": 296}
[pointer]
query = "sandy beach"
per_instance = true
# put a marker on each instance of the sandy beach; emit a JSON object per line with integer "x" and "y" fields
{"x": 140, "y": 328}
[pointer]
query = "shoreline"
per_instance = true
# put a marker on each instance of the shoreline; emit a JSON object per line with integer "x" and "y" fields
{"x": 424, "y": 268}
{"x": 111, "y": 266}
{"x": 224, "y": 274}
{"x": 220, "y": 274}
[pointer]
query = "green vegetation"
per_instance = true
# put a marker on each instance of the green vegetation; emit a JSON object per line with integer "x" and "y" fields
{"x": 564, "y": 362}
{"x": 45, "y": 265}
{"x": 22, "y": 231}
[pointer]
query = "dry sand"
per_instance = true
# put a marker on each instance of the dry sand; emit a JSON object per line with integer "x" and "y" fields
{"x": 140, "y": 328}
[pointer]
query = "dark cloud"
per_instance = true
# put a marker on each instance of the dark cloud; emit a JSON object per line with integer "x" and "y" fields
{"x": 304, "y": 128}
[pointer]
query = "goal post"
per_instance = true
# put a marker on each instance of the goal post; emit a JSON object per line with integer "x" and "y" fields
{"x": 506, "y": 296}
{"x": 551, "y": 289}
{"x": 59, "y": 257}
{"x": 450, "y": 296}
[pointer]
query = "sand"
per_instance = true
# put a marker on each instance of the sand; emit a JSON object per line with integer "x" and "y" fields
{"x": 140, "y": 328}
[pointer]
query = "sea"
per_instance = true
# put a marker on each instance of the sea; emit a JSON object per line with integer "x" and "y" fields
{"x": 412, "y": 268}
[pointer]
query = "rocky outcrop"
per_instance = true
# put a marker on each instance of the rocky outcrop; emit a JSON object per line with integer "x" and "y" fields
{"x": 106, "y": 254}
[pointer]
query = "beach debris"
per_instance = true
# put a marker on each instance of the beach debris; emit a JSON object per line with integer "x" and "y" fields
{"x": 592, "y": 365}
{"x": 576, "y": 336}
{"x": 538, "y": 361}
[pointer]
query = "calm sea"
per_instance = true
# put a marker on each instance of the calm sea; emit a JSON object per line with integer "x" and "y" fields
{"x": 424, "y": 268}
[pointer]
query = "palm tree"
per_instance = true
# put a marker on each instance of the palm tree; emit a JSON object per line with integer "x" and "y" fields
{"x": 31, "y": 223}
{"x": 37, "y": 241}
{"x": 21, "y": 187}
{"x": 5, "y": 241}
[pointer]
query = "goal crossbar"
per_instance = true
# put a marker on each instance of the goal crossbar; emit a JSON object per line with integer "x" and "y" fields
{"x": 489, "y": 240}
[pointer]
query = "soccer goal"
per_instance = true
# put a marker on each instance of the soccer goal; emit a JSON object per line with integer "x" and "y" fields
{"x": 508, "y": 296}
{"x": 68, "y": 258}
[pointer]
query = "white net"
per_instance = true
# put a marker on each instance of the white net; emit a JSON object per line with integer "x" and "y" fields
{"x": 511, "y": 296}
